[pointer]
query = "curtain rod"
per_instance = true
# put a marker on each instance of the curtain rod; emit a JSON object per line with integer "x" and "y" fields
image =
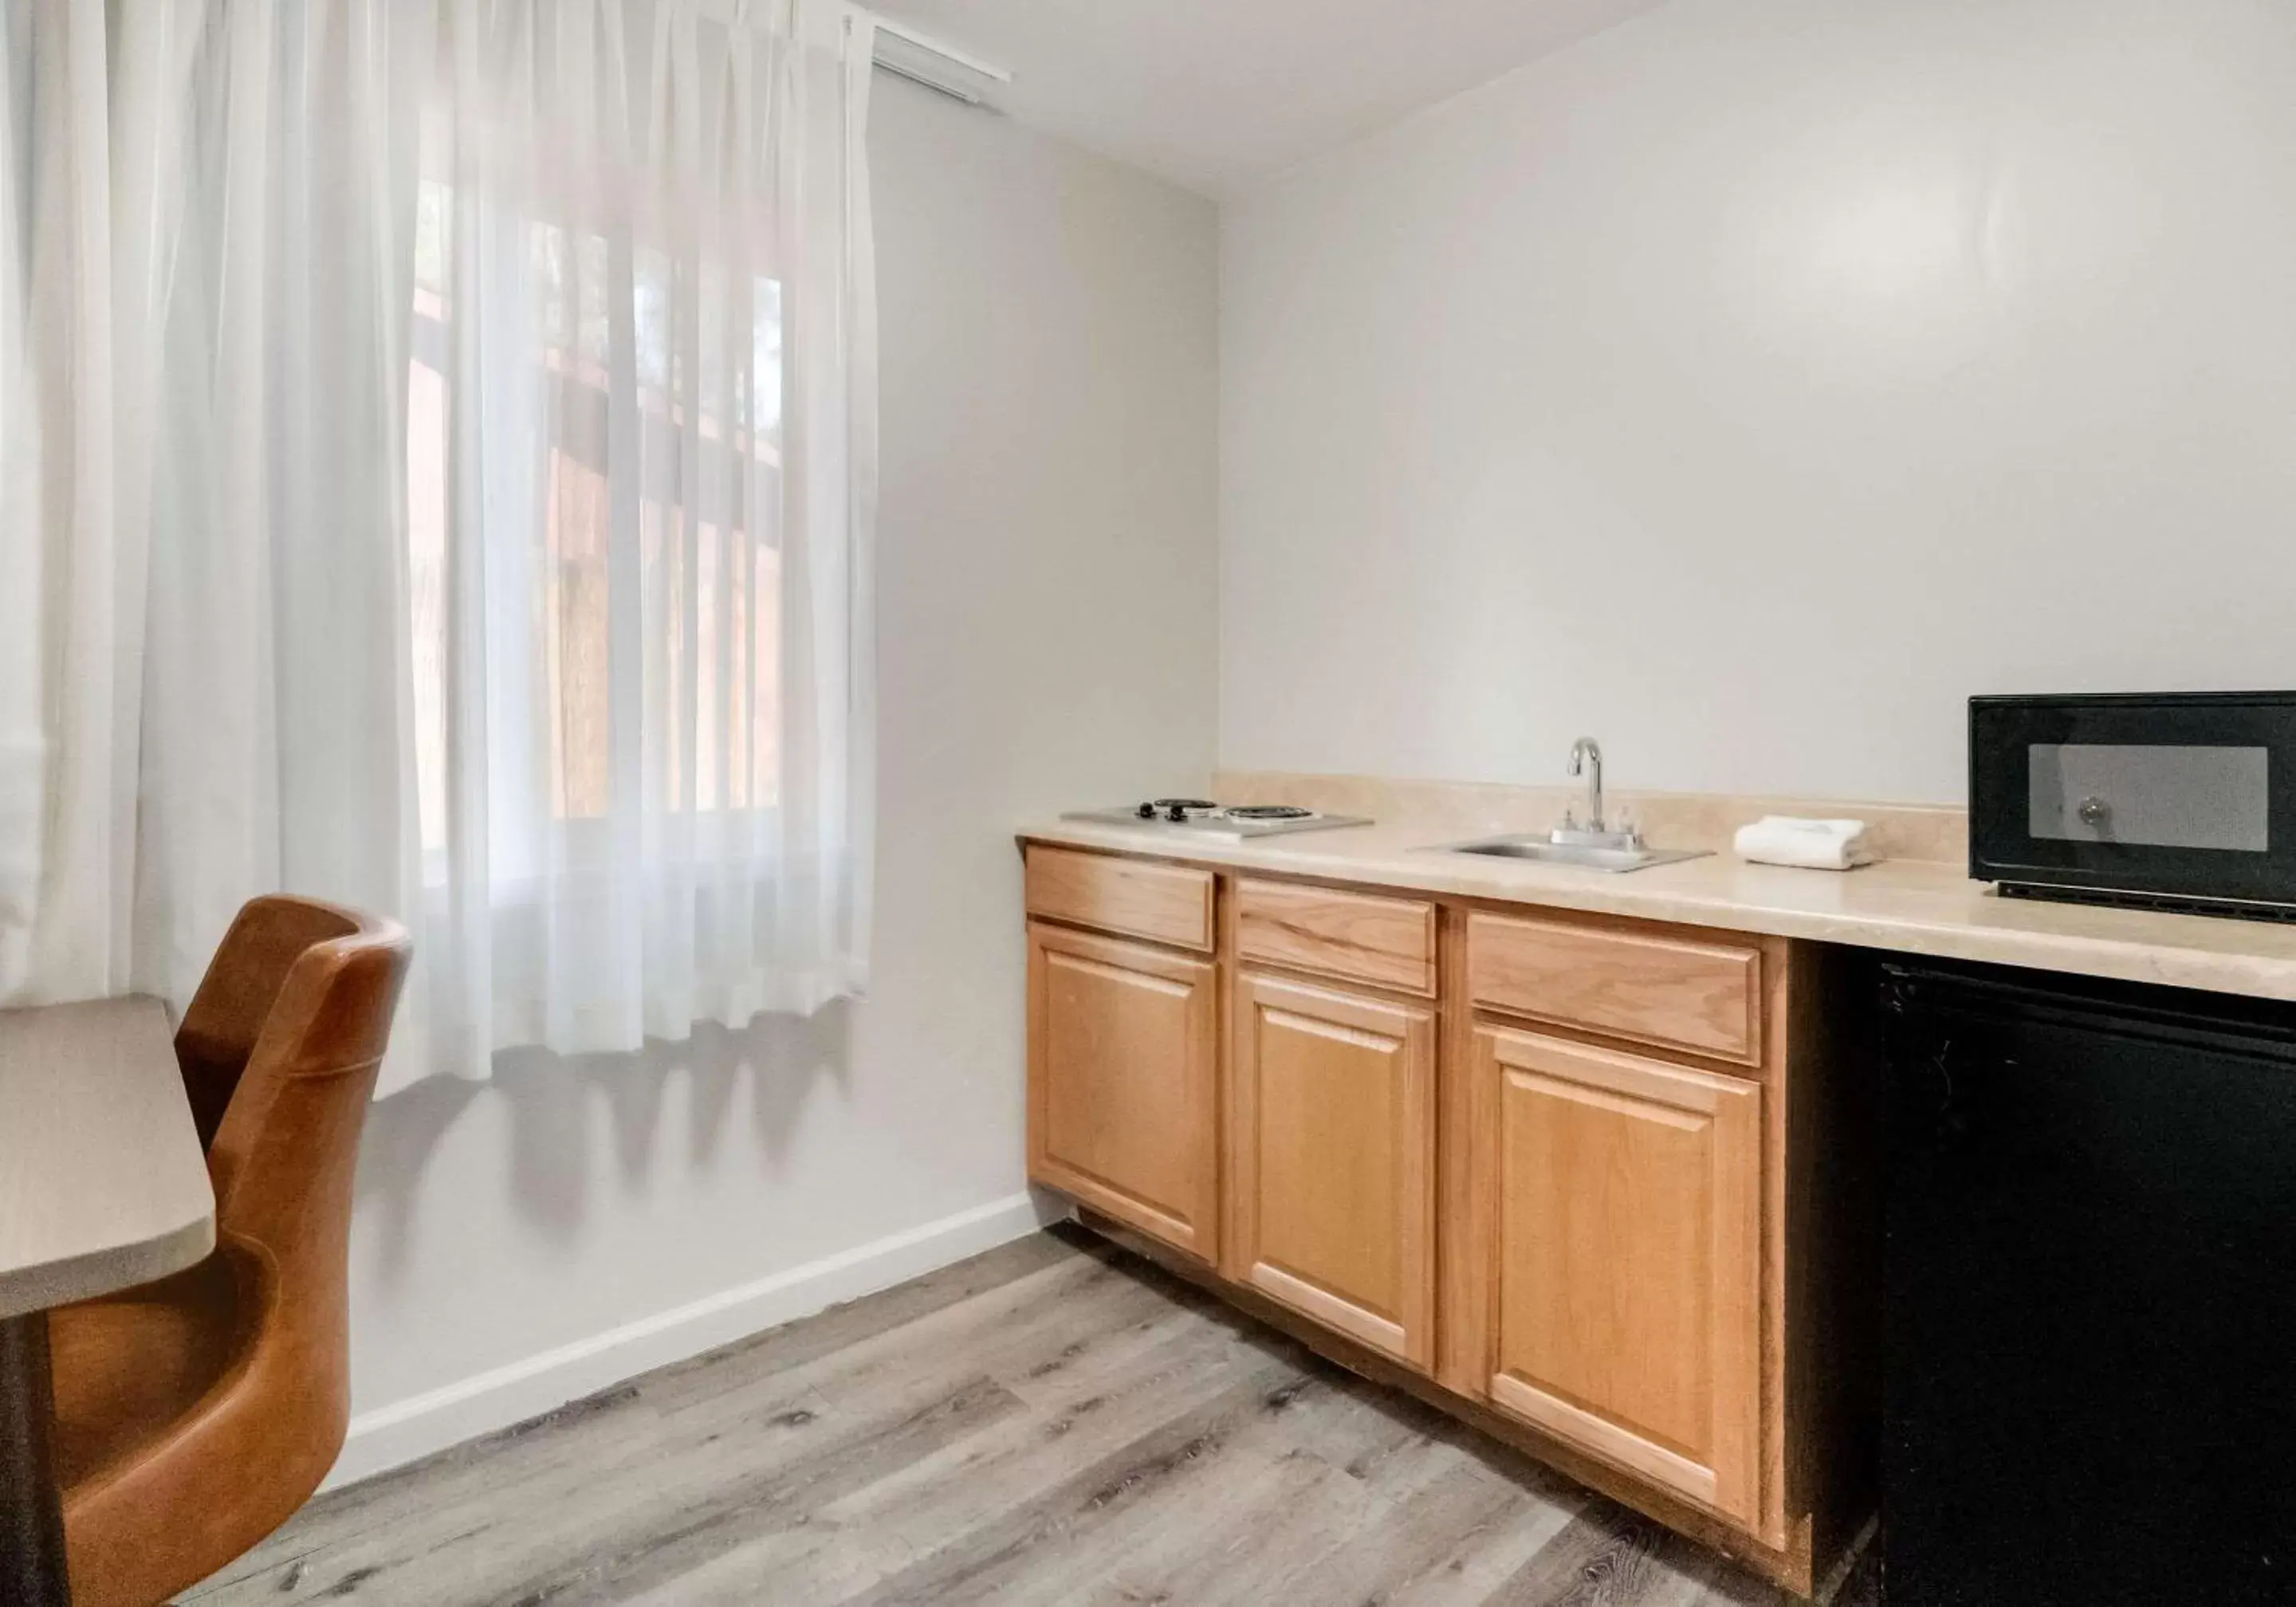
{"x": 917, "y": 57}
{"x": 910, "y": 54}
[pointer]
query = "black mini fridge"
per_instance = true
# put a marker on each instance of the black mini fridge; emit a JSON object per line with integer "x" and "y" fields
{"x": 2090, "y": 1377}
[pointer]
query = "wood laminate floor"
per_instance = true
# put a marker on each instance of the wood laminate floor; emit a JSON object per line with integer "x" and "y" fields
{"x": 1055, "y": 1421}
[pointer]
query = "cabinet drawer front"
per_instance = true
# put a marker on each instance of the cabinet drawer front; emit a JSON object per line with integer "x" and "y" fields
{"x": 1676, "y": 992}
{"x": 1628, "y": 1262}
{"x": 1388, "y": 942}
{"x": 1164, "y": 903}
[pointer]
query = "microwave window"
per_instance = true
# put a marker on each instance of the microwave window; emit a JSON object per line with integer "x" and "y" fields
{"x": 2154, "y": 797}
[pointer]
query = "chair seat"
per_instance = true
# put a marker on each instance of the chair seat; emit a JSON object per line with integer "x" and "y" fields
{"x": 130, "y": 1366}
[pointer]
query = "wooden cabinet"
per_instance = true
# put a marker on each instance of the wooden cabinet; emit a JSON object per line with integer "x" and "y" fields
{"x": 1331, "y": 1160}
{"x": 1625, "y": 1226}
{"x": 1595, "y": 1185}
{"x": 1123, "y": 1082}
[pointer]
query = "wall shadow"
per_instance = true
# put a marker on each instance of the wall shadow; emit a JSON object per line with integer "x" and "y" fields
{"x": 551, "y": 1103}
{"x": 394, "y": 1147}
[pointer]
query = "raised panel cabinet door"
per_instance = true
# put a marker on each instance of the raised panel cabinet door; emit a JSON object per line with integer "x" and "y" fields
{"x": 1123, "y": 1082}
{"x": 1332, "y": 1160}
{"x": 1628, "y": 1261}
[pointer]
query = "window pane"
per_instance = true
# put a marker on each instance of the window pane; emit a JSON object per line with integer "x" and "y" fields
{"x": 707, "y": 471}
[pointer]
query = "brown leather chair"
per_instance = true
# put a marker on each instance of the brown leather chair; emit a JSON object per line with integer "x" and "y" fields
{"x": 194, "y": 1414}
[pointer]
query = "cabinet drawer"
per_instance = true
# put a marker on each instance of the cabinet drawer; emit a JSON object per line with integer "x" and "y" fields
{"x": 1678, "y": 993}
{"x": 1389, "y": 942}
{"x": 1165, "y": 903}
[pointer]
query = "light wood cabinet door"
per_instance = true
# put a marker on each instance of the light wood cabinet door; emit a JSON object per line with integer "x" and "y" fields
{"x": 1123, "y": 1114}
{"x": 1332, "y": 1160}
{"x": 1628, "y": 1261}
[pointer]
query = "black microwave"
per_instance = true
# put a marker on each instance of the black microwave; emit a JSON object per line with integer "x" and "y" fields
{"x": 2179, "y": 800}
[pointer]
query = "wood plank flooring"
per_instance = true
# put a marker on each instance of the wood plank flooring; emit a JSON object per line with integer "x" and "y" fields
{"x": 1055, "y": 1421}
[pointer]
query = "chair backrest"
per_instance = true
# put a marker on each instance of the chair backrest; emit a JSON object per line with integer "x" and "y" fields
{"x": 286, "y": 1141}
{"x": 234, "y": 998}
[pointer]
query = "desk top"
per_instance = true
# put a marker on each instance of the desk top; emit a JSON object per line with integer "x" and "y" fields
{"x": 101, "y": 1182}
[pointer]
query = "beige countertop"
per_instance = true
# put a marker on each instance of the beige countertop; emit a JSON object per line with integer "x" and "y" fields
{"x": 1911, "y": 906}
{"x": 102, "y": 1184}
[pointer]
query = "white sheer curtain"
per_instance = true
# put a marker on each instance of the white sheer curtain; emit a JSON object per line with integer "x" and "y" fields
{"x": 640, "y": 507}
{"x": 272, "y": 720}
{"x": 80, "y": 180}
{"x": 439, "y": 436}
{"x": 203, "y": 304}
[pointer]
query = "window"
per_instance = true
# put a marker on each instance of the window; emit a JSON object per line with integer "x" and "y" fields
{"x": 695, "y": 599}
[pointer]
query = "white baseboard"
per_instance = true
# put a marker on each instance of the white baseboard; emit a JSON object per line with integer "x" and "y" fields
{"x": 409, "y": 1429}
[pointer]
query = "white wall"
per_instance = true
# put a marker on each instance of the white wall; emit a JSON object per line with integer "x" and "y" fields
{"x": 1046, "y": 577}
{"x": 1749, "y": 384}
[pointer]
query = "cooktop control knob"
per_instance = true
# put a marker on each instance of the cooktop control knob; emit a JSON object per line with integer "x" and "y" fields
{"x": 1146, "y": 811}
{"x": 1177, "y": 814}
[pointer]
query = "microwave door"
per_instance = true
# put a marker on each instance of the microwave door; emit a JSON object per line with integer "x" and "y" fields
{"x": 2178, "y": 798}
{"x": 2152, "y": 795}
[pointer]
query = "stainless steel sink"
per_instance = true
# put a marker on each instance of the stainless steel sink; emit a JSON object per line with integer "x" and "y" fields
{"x": 1584, "y": 855}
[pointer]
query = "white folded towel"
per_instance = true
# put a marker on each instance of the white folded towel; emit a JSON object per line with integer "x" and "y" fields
{"x": 1817, "y": 845}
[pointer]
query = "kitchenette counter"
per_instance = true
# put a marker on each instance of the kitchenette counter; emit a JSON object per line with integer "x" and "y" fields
{"x": 1911, "y": 906}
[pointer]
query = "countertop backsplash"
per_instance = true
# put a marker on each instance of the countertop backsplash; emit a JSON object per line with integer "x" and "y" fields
{"x": 1931, "y": 834}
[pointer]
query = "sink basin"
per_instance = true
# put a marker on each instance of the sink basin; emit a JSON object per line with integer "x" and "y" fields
{"x": 1541, "y": 850}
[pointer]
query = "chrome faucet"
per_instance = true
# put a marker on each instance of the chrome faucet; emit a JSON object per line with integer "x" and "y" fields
{"x": 1586, "y": 759}
{"x": 1587, "y": 756}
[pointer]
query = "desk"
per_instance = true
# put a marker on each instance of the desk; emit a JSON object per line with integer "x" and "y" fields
{"x": 103, "y": 1186}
